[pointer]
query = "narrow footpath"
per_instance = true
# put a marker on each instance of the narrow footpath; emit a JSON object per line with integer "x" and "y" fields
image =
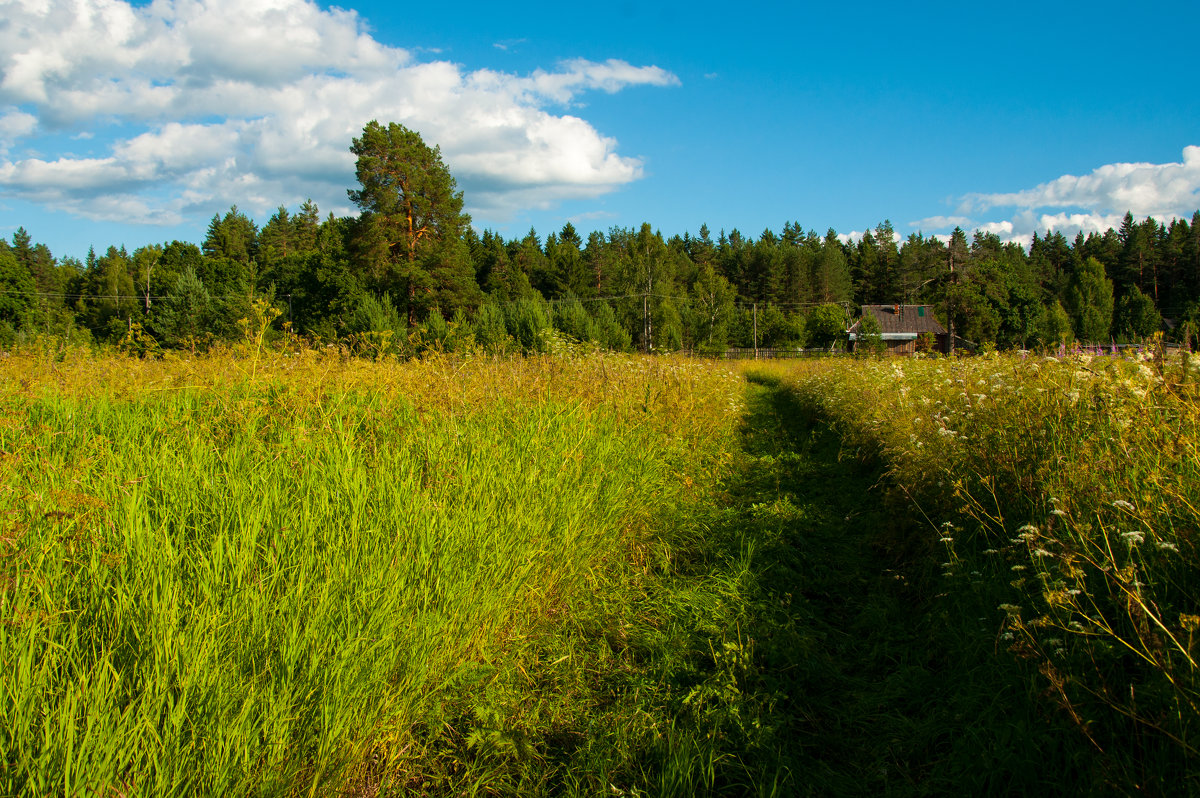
{"x": 851, "y": 671}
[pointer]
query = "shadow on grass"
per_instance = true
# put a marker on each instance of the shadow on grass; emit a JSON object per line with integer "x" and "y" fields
{"x": 837, "y": 666}
{"x": 797, "y": 640}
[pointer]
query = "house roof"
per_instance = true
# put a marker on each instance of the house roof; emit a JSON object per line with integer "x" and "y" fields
{"x": 902, "y": 319}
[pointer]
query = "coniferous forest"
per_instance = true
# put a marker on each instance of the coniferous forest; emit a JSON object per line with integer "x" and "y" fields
{"x": 410, "y": 271}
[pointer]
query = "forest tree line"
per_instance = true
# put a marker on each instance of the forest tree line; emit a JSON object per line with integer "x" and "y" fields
{"x": 409, "y": 271}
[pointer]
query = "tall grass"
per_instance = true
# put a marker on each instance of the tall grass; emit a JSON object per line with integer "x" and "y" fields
{"x": 267, "y": 575}
{"x": 1062, "y": 498}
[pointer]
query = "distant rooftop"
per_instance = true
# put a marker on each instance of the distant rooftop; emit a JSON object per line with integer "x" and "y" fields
{"x": 902, "y": 319}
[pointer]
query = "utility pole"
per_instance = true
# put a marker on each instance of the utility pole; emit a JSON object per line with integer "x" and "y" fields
{"x": 646, "y": 320}
{"x": 646, "y": 300}
{"x": 756, "y": 331}
{"x": 148, "y": 270}
{"x": 950, "y": 306}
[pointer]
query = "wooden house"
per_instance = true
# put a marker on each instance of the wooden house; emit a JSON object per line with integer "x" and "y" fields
{"x": 902, "y": 327}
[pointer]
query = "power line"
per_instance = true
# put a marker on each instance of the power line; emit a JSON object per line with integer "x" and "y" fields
{"x": 737, "y": 303}
{"x": 133, "y": 297}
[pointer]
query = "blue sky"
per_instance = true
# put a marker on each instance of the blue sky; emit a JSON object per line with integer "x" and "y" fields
{"x": 134, "y": 123}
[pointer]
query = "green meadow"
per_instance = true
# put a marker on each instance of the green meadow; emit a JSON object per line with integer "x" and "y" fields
{"x": 265, "y": 572}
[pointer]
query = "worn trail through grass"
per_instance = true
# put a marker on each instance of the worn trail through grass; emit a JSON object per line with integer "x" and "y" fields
{"x": 875, "y": 690}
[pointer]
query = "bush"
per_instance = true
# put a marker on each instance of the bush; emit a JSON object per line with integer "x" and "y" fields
{"x": 827, "y": 325}
{"x": 870, "y": 336}
{"x": 571, "y": 319}
{"x": 525, "y": 320}
{"x": 611, "y": 335}
{"x": 489, "y": 329}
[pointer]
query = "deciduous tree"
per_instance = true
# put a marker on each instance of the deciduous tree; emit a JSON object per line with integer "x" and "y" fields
{"x": 1090, "y": 301}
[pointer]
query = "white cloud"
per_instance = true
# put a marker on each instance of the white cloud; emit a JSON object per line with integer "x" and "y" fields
{"x": 1143, "y": 189}
{"x": 591, "y": 216}
{"x": 14, "y": 124}
{"x": 255, "y": 103}
{"x": 1002, "y": 229}
{"x": 941, "y": 222}
{"x": 611, "y": 76}
{"x": 1092, "y": 203}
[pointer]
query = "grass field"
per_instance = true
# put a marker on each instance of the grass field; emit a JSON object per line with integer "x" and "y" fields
{"x": 1061, "y": 499}
{"x": 301, "y": 573}
{"x": 226, "y": 577}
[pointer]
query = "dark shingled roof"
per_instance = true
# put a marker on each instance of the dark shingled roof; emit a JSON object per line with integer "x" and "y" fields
{"x": 902, "y": 319}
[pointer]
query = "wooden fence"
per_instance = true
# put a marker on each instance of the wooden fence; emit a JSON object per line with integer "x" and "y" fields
{"x": 771, "y": 353}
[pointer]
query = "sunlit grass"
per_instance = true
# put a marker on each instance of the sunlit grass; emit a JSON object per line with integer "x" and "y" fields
{"x": 273, "y": 572}
{"x": 276, "y": 574}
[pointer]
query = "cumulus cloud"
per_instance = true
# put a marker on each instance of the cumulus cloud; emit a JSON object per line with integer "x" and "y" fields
{"x": 1144, "y": 189}
{"x": 941, "y": 222}
{"x": 14, "y": 124}
{"x": 1091, "y": 203}
{"x": 217, "y": 102}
